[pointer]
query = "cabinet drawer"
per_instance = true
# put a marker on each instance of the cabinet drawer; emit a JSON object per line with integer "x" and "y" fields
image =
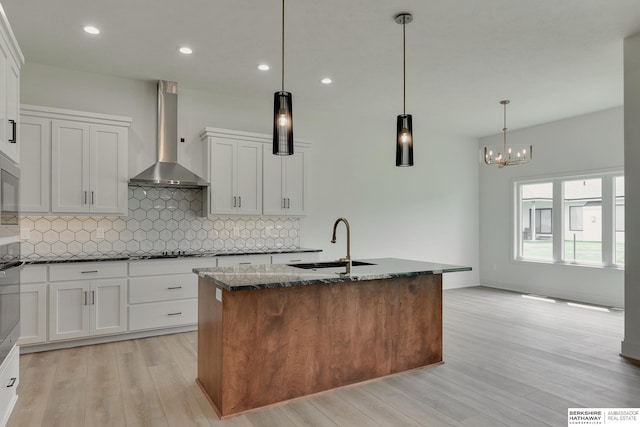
{"x": 87, "y": 271}
{"x": 33, "y": 274}
{"x": 227, "y": 261}
{"x": 9, "y": 379}
{"x": 292, "y": 258}
{"x": 168, "y": 266}
{"x": 163, "y": 288}
{"x": 163, "y": 314}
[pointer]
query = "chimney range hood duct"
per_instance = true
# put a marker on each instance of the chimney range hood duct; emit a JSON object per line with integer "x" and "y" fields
{"x": 167, "y": 172}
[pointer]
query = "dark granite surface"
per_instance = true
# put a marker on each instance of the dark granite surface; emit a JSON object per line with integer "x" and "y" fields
{"x": 246, "y": 277}
{"x": 159, "y": 255}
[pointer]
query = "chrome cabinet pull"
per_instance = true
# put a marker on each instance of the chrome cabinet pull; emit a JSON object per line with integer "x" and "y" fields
{"x": 174, "y": 287}
{"x": 12, "y": 381}
{"x": 175, "y": 314}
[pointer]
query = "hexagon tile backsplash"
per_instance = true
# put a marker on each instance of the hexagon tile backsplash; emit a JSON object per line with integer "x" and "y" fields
{"x": 159, "y": 220}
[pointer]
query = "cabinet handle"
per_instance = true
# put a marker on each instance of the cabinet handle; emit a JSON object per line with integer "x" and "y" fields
{"x": 288, "y": 203}
{"x": 85, "y": 297}
{"x": 13, "y": 127}
{"x": 284, "y": 203}
{"x": 239, "y": 201}
{"x": 244, "y": 263}
{"x": 175, "y": 314}
{"x": 174, "y": 287}
{"x": 12, "y": 381}
{"x": 295, "y": 260}
{"x": 235, "y": 201}
{"x": 92, "y": 198}
{"x": 85, "y": 197}
{"x": 88, "y": 271}
{"x": 93, "y": 297}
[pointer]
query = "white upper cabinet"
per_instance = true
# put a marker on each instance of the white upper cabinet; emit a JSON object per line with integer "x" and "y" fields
{"x": 247, "y": 179}
{"x": 35, "y": 150}
{"x": 234, "y": 170}
{"x": 73, "y": 162}
{"x": 11, "y": 60}
{"x": 284, "y": 182}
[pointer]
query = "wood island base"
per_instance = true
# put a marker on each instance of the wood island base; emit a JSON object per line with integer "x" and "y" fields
{"x": 258, "y": 347}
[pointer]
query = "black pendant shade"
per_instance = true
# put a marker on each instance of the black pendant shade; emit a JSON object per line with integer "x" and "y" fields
{"x": 404, "y": 141}
{"x": 282, "y": 124}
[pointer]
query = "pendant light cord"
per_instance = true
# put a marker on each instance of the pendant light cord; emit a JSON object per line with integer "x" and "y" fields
{"x": 404, "y": 69}
{"x": 283, "y": 45}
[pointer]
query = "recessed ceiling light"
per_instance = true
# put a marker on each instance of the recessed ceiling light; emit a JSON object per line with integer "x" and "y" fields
{"x": 185, "y": 50}
{"x": 326, "y": 81}
{"x": 263, "y": 67}
{"x": 91, "y": 30}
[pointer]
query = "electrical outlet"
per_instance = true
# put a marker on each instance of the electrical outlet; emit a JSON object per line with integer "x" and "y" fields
{"x": 25, "y": 233}
{"x": 99, "y": 233}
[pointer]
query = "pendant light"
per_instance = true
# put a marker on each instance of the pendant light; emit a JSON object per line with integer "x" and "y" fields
{"x": 282, "y": 114}
{"x": 507, "y": 156}
{"x": 404, "y": 136}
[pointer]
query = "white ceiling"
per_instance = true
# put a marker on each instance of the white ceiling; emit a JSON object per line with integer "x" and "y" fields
{"x": 552, "y": 58}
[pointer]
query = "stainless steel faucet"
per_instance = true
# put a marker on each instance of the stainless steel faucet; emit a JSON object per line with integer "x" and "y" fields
{"x": 347, "y": 259}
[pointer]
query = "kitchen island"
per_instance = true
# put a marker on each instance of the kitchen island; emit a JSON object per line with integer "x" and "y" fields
{"x": 270, "y": 333}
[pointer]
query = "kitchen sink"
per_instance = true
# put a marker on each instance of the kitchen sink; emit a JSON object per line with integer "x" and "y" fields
{"x": 328, "y": 264}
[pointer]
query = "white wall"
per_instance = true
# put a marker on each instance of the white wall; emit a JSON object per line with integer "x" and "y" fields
{"x": 584, "y": 143}
{"x": 427, "y": 212}
{"x": 631, "y": 343}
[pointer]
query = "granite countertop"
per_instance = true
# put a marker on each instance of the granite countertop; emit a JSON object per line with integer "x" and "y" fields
{"x": 159, "y": 255}
{"x": 246, "y": 277}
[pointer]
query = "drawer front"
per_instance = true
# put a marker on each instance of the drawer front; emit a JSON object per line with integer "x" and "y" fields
{"x": 169, "y": 266}
{"x": 87, "y": 271}
{"x": 9, "y": 379}
{"x": 165, "y": 314}
{"x": 292, "y": 258}
{"x": 228, "y": 261}
{"x": 33, "y": 274}
{"x": 163, "y": 288}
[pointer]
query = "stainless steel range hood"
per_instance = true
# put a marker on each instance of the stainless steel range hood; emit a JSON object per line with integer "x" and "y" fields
{"x": 167, "y": 172}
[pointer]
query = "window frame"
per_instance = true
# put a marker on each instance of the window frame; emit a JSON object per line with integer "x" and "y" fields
{"x": 608, "y": 259}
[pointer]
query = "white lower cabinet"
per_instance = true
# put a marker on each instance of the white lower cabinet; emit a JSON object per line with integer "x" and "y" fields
{"x": 89, "y": 307}
{"x": 33, "y": 305}
{"x": 231, "y": 260}
{"x": 292, "y": 258}
{"x": 9, "y": 380}
{"x": 167, "y": 300}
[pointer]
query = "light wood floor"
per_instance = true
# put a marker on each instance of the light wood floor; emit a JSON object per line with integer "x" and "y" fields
{"x": 508, "y": 362}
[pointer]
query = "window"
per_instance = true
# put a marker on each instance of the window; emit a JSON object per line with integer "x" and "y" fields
{"x": 619, "y": 220}
{"x": 571, "y": 220}
{"x": 584, "y": 244}
{"x": 536, "y": 229}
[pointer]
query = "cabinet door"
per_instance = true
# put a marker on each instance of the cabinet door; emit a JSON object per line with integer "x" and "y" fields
{"x": 249, "y": 178}
{"x": 4, "y": 60}
{"x": 13, "y": 114}
{"x": 68, "y": 310}
{"x": 108, "y": 302}
{"x": 108, "y": 169}
{"x": 69, "y": 166}
{"x": 273, "y": 202}
{"x": 35, "y": 151}
{"x": 222, "y": 177}
{"x": 33, "y": 313}
{"x": 295, "y": 177}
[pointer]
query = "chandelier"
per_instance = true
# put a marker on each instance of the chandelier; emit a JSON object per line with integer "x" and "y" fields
{"x": 507, "y": 156}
